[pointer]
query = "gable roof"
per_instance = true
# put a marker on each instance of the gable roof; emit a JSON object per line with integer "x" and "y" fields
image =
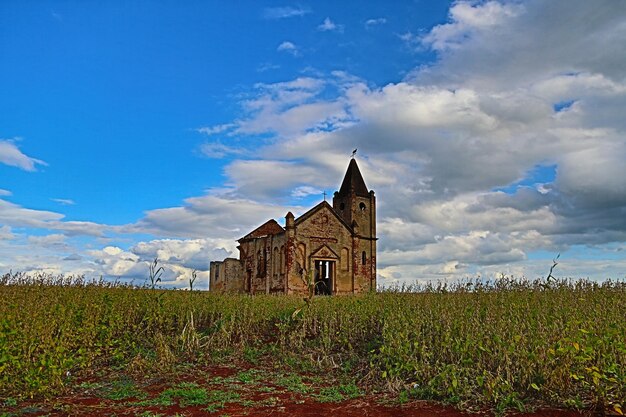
{"x": 353, "y": 181}
{"x": 319, "y": 207}
{"x": 324, "y": 251}
{"x": 270, "y": 227}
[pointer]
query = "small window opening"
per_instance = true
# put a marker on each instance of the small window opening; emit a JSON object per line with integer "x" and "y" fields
{"x": 363, "y": 257}
{"x": 362, "y": 206}
{"x": 342, "y": 206}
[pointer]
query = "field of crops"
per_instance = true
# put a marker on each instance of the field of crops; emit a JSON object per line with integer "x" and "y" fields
{"x": 498, "y": 345}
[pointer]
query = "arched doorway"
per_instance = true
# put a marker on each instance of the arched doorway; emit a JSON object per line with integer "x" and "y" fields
{"x": 324, "y": 276}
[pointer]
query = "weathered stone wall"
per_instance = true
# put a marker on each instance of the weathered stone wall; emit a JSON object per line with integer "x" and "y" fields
{"x": 322, "y": 236}
{"x": 225, "y": 276}
{"x": 216, "y": 284}
{"x": 263, "y": 264}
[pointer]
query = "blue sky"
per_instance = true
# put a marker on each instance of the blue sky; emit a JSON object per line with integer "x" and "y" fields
{"x": 492, "y": 131}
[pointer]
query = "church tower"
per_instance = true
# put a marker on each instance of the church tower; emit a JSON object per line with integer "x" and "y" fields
{"x": 357, "y": 206}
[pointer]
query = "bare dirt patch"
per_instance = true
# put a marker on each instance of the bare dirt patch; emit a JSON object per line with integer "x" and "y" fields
{"x": 232, "y": 390}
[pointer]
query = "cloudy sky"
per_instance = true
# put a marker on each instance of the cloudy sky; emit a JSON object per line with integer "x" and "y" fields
{"x": 493, "y": 132}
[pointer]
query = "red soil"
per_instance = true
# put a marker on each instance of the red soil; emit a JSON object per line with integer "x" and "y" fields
{"x": 274, "y": 401}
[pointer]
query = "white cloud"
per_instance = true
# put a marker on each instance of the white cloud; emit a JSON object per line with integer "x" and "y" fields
{"x": 5, "y": 193}
{"x": 6, "y": 233}
{"x": 440, "y": 145}
{"x": 284, "y": 12}
{"x": 116, "y": 262}
{"x": 213, "y": 130}
{"x": 267, "y": 66}
{"x": 218, "y": 150}
{"x": 305, "y": 191}
{"x": 191, "y": 254}
{"x": 329, "y": 26}
{"x": 11, "y": 155}
{"x": 53, "y": 240}
{"x": 16, "y": 216}
{"x": 438, "y": 148}
{"x": 64, "y": 201}
{"x": 179, "y": 258}
{"x": 294, "y": 107}
{"x": 218, "y": 215}
{"x": 375, "y": 22}
{"x": 289, "y": 47}
{"x": 468, "y": 18}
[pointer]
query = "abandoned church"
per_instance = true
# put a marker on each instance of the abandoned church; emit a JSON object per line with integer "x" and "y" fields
{"x": 333, "y": 247}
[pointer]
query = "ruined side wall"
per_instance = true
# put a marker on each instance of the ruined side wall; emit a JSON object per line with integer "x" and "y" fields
{"x": 225, "y": 276}
{"x": 216, "y": 283}
{"x": 263, "y": 264}
{"x": 232, "y": 274}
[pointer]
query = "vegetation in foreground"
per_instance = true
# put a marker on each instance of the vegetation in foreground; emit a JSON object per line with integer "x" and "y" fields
{"x": 499, "y": 345}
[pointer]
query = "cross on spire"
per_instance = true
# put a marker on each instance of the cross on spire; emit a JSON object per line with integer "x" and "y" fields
{"x": 324, "y": 195}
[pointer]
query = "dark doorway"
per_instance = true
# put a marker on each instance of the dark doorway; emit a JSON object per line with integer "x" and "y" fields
{"x": 248, "y": 280}
{"x": 324, "y": 271}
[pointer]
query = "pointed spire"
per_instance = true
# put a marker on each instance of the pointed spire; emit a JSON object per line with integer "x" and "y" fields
{"x": 353, "y": 181}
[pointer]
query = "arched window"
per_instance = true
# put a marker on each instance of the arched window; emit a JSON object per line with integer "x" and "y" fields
{"x": 282, "y": 259}
{"x": 362, "y": 206}
{"x": 345, "y": 259}
{"x": 363, "y": 257}
{"x": 342, "y": 206}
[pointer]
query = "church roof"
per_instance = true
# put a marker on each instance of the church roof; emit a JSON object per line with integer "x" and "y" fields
{"x": 270, "y": 227}
{"x": 353, "y": 181}
{"x": 319, "y": 207}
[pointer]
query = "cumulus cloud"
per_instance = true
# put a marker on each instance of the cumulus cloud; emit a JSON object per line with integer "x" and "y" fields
{"x": 217, "y": 214}
{"x": 11, "y": 155}
{"x": 179, "y": 259}
{"x": 116, "y": 262}
{"x": 470, "y": 19}
{"x": 293, "y": 107}
{"x": 288, "y": 47}
{"x": 453, "y": 150}
{"x": 329, "y": 26}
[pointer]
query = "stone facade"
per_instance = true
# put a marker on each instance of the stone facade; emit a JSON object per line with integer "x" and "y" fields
{"x": 332, "y": 246}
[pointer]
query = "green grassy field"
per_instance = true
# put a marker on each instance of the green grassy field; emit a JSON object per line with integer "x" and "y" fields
{"x": 501, "y": 345}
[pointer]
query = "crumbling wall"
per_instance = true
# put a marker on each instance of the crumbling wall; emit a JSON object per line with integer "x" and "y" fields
{"x": 225, "y": 276}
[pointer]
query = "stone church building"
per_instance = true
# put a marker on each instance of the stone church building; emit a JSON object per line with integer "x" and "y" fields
{"x": 332, "y": 246}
